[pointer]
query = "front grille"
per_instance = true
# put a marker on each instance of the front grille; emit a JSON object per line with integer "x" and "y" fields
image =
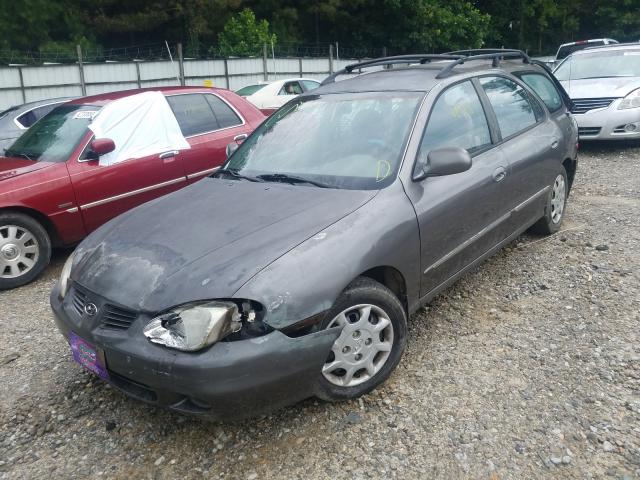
{"x": 583, "y": 105}
{"x": 588, "y": 131}
{"x": 78, "y": 301}
{"x": 117, "y": 318}
{"x": 111, "y": 316}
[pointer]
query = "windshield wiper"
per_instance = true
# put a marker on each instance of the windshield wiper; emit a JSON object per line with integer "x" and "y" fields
{"x": 235, "y": 174}
{"x": 284, "y": 177}
{"x": 9, "y": 153}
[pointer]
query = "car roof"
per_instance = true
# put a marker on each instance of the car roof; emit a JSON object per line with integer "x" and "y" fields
{"x": 418, "y": 78}
{"x": 104, "y": 98}
{"x": 591, "y": 40}
{"x": 612, "y": 47}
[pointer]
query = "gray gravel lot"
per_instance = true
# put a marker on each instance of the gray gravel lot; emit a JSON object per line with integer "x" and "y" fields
{"x": 527, "y": 368}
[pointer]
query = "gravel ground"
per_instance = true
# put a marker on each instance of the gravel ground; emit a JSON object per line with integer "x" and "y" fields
{"x": 527, "y": 368}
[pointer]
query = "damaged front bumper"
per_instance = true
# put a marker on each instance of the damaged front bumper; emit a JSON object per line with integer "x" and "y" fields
{"x": 229, "y": 380}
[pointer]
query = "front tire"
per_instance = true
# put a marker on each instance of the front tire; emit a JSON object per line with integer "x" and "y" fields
{"x": 373, "y": 337}
{"x": 25, "y": 249}
{"x": 554, "y": 210}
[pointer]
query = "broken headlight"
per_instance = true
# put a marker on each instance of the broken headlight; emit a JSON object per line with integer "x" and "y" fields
{"x": 199, "y": 325}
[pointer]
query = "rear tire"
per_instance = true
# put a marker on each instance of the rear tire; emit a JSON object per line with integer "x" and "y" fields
{"x": 25, "y": 249}
{"x": 373, "y": 337}
{"x": 554, "y": 209}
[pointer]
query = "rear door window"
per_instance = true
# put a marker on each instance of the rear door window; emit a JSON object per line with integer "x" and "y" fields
{"x": 291, "y": 88}
{"x": 545, "y": 89}
{"x": 224, "y": 113}
{"x": 515, "y": 110}
{"x": 193, "y": 113}
{"x": 457, "y": 120}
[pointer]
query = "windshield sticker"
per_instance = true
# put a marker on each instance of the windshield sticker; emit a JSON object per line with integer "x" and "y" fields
{"x": 85, "y": 114}
{"x": 383, "y": 170}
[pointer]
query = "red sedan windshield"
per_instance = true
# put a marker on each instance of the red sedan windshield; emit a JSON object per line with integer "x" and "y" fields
{"x": 55, "y": 136}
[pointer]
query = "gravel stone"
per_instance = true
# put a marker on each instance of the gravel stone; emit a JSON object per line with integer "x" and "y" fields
{"x": 499, "y": 379}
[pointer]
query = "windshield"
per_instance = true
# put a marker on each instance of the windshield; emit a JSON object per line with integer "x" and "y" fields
{"x": 249, "y": 90}
{"x": 351, "y": 141}
{"x": 618, "y": 63}
{"x": 566, "y": 50}
{"x": 54, "y": 136}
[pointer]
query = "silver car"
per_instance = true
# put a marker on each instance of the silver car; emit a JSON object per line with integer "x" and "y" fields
{"x": 604, "y": 86}
{"x": 16, "y": 120}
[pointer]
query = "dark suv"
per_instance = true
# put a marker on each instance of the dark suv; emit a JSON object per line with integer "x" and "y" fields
{"x": 291, "y": 271}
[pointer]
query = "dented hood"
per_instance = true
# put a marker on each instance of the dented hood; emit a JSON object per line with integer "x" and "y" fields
{"x": 12, "y": 167}
{"x": 204, "y": 241}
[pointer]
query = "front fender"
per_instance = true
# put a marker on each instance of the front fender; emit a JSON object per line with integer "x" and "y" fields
{"x": 308, "y": 279}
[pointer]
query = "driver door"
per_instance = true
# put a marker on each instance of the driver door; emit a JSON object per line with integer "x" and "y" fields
{"x": 460, "y": 216}
{"x": 103, "y": 192}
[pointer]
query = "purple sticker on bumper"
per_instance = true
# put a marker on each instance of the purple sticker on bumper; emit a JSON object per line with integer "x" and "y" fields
{"x": 88, "y": 356}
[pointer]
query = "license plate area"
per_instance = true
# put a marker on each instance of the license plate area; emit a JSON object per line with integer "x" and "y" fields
{"x": 88, "y": 356}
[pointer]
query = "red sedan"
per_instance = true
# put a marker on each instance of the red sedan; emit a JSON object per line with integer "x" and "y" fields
{"x": 54, "y": 189}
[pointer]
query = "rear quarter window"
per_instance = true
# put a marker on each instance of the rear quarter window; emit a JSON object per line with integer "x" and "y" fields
{"x": 544, "y": 88}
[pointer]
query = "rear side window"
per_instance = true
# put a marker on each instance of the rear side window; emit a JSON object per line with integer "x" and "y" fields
{"x": 457, "y": 120}
{"x": 193, "y": 113}
{"x": 224, "y": 113}
{"x": 32, "y": 116}
{"x": 545, "y": 89}
{"x": 290, "y": 88}
{"x": 309, "y": 84}
{"x": 513, "y": 107}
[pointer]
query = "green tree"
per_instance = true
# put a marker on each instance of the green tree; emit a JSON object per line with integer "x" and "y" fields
{"x": 243, "y": 35}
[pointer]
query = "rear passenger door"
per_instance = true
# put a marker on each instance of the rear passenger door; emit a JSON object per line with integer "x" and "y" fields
{"x": 530, "y": 141}
{"x": 460, "y": 216}
{"x": 559, "y": 112}
{"x": 209, "y": 124}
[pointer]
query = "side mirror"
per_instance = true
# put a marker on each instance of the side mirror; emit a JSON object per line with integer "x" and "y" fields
{"x": 102, "y": 146}
{"x": 446, "y": 161}
{"x": 231, "y": 147}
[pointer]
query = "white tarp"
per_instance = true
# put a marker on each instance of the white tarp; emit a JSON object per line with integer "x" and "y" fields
{"x": 139, "y": 125}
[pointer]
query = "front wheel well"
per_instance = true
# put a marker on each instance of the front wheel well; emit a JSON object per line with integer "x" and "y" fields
{"x": 40, "y": 218}
{"x": 392, "y": 279}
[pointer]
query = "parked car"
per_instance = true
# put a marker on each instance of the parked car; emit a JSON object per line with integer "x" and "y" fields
{"x": 567, "y": 49}
{"x": 16, "y": 120}
{"x": 344, "y": 212}
{"x": 271, "y": 96}
{"x": 604, "y": 86}
{"x": 54, "y": 189}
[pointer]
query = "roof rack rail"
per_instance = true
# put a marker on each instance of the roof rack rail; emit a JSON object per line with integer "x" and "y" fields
{"x": 376, "y": 62}
{"x": 459, "y": 57}
{"x": 494, "y": 55}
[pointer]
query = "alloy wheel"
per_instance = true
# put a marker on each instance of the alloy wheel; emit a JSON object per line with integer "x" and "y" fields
{"x": 362, "y": 348}
{"x": 19, "y": 251}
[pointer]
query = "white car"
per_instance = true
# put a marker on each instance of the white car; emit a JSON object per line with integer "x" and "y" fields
{"x": 604, "y": 86}
{"x": 268, "y": 97}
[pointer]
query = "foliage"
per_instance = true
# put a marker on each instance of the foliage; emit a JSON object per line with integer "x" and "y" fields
{"x": 244, "y": 36}
{"x": 400, "y": 25}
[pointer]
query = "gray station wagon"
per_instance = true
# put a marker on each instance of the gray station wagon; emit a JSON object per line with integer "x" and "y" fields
{"x": 291, "y": 271}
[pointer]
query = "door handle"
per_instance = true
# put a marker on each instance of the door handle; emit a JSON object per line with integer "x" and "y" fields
{"x": 240, "y": 137}
{"x": 554, "y": 144}
{"x": 169, "y": 154}
{"x": 499, "y": 174}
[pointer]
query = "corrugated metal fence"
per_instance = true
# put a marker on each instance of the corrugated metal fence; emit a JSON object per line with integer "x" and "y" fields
{"x": 21, "y": 84}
